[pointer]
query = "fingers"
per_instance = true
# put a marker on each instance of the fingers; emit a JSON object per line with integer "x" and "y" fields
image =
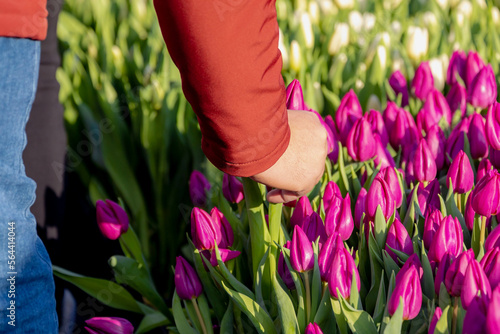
{"x": 281, "y": 196}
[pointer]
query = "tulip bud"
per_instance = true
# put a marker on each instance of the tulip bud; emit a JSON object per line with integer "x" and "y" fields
{"x": 378, "y": 126}
{"x": 301, "y": 251}
{"x": 438, "y": 71}
{"x": 423, "y": 81}
{"x": 492, "y": 317}
{"x": 493, "y": 239}
{"x": 313, "y": 328}
{"x": 397, "y": 81}
{"x": 360, "y": 141}
{"x": 455, "y": 275}
{"x": 482, "y": 92}
{"x": 436, "y": 107}
{"x": 473, "y": 65}
{"x": 435, "y": 318}
{"x": 427, "y": 196}
{"x": 412, "y": 262}
{"x": 295, "y": 56}
{"x": 456, "y": 67}
{"x": 417, "y": 42}
{"x": 108, "y": 325}
{"x": 424, "y": 165}
{"x": 436, "y": 141}
{"x": 432, "y": 222}
{"x": 461, "y": 174}
{"x": 475, "y": 281}
{"x": 390, "y": 114}
{"x": 475, "y": 318}
{"x": 359, "y": 208}
{"x": 483, "y": 168}
{"x": 314, "y": 228}
{"x": 338, "y": 218}
{"x": 493, "y": 126}
{"x": 491, "y": 266}
{"x": 301, "y": 211}
{"x": 442, "y": 270}
{"x": 448, "y": 238}
{"x": 347, "y": 114}
{"x": 390, "y": 176}
{"x": 408, "y": 288}
{"x": 198, "y": 188}
{"x": 404, "y": 130}
{"x": 339, "y": 39}
{"x": 495, "y": 158}
{"x": 477, "y": 137}
{"x": 356, "y": 21}
{"x": 341, "y": 274}
{"x": 232, "y": 189}
{"x": 283, "y": 270}
{"x": 187, "y": 283}
{"x": 398, "y": 239}
{"x": 457, "y": 98}
{"x": 334, "y": 154}
{"x": 456, "y": 140}
{"x": 227, "y": 235}
{"x": 306, "y": 29}
{"x": 331, "y": 192}
{"x": 204, "y": 232}
{"x": 382, "y": 158}
{"x": 486, "y": 195}
{"x": 326, "y": 254}
{"x": 379, "y": 194}
{"x": 111, "y": 219}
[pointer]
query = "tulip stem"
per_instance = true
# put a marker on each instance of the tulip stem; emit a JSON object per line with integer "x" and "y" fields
{"x": 455, "y": 316}
{"x": 459, "y": 202}
{"x": 308, "y": 296}
{"x": 483, "y": 231}
{"x": 200, "y": 318}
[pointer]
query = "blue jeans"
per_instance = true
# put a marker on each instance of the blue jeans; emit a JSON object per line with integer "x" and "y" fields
{"x": 27, "y": 302}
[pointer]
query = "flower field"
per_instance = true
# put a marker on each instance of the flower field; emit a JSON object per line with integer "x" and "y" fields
{"x": 400, "y": 235}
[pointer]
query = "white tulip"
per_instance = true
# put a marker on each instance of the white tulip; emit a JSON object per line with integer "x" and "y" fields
{"x": 284, "y": 52}
{"x": 391, "y": 4}
{"x": 327, "y": 7}
{"x": 438, "y": 73}
{"x": 417, "y": 42}
{"x": 464, "y": 8}
{"x": 373, "y": 103}
{"x": 443, "y": 4}
{"x": 344, "y": 4}
{"x": 339, "y": 39}
{"x": 396, "y": 27}
{"x": 482, "y": 4}
{"x": 430, "y": 20}
{"x": 495, "y": 15}
{"x": 369, "y": 20}
{"x": 305, "y": 24}
{"x": 295, "y": 56}
{"x": 313, "y": 10}
{"x": 356, "y": 21}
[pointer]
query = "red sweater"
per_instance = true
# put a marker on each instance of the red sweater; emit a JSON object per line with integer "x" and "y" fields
{"x": 23, "y": 18}
{"x": 227, "y": 53}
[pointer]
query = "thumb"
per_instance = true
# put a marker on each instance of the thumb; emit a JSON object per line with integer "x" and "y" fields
{"x": 281, "y": 196}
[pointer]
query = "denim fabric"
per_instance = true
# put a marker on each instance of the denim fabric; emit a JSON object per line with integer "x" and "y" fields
{"x": 26, "y": 286}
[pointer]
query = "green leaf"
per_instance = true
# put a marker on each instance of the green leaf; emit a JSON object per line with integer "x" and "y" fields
{"x": 226, "y": 326}
{"x": 107, "y": 292}
{"x": 359, "y": 321}
{"x": 316, "y": 284}
{"x": 427, "y": 279}
{"x": 389, "y": 264}
{"x": 394, "y": 325}
{"x": 325, "y": 318}
{"x": 452, "y": 208}
{"x": 152, "y": 321}
{"x": 378, "y": 313}
{"x": 380, "y": 227}
{"x": 205, "y": 313}
{"x": 289, "y": 324}
{"x": 259, "y": 318}
{"x": 181, "y": 321}
{"x": 339, "y": 317}
{"x": 258, "y": 282}
{"x": 233, "y": 281}
{"x": 344, "y": 185}
{"x": 442, "y": 326}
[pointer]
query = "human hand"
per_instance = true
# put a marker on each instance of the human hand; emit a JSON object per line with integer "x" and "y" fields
{"x": 300, "y": 168}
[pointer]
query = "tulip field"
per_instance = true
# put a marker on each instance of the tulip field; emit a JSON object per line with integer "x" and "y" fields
{"x": 400, "y": 235}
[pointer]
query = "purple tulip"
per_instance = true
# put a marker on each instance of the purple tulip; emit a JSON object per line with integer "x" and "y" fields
{"x": 295, "y": 97}
{"x": 435, "y": 318}
{"x": 493, "y": 239}
{"x": 483, "y": 90}
{"x": 314, "y": 228}
{"x": 111, "y": 219}
{"x": 332, "y": 192}
{"x": 404, "y": 130}
{"x": 301, "y": 251}
{"x": 302, "y": 210}
{"x": 225, "y": 255}
{"x": 483, "y": 168}
{"x": 428, "y": 197}
{"x": 461, "y": 174}
{"x": 391, "y": 177}
{"x": 442, "y": 270}
{"x": 436, "y": 141}
{"x": 457, "y": 98}
{"x": 475, "y": 281}
{"x": 204, "y": 231}
{"x": 448, "y": 238}
{"x": 283, "y": 270}
{"x": 187, "y": 283}
{"x": 334, "y": 154}
{"x": 432, "y": 222}
{"x": 436, "y": 107}
{"x": 359, "y": 208}
{"x": 398, "y": 239}
{"x": 407, "y": 287}
{"x": 477, "y": 137}
{"x": 326, "y": 254}
{"x": 341, "y": 274}
{"x": 389, "y": 116}
{"x": 108, "y": 325}
{"x": 397, "y": 81}
{"x": 338, "y": 218}
{"x": 198, "y": 188}
{"x": 376, "y": 121}
{"x": 493, "y": 126}
{"x": 232, "y": 188}
{"x": 491, "y": 265}
{"x": 424, "y": 165}
{"x": 382, "y": 158}
{"x": 455, "y": 275}
{"x": 486, "y": 195}
{"x": 493, "y": 317}
{"x": 495, "y": 158}
{"x": 475, "y": 318}
{"x": 360, "y": 141}
{"x": 423, "y": 81}
{"x": 379, "y": 194}
{"x": 456, "y": 68}
{"x": 347, "y": 114}
{"x": 412, "y": 262}
{"x": 456, "y": 140}
{"x": 473, "y": 65}
{"x": 313, "y": 328}
{"x": 227, "y": 235}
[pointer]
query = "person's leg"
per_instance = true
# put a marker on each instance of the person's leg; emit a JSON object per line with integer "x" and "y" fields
{"x": 26, "y": 282}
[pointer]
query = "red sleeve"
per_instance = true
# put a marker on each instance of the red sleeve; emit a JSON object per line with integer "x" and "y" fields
{"x": 227, "y": 53}
{"x": 23, "y": 19}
